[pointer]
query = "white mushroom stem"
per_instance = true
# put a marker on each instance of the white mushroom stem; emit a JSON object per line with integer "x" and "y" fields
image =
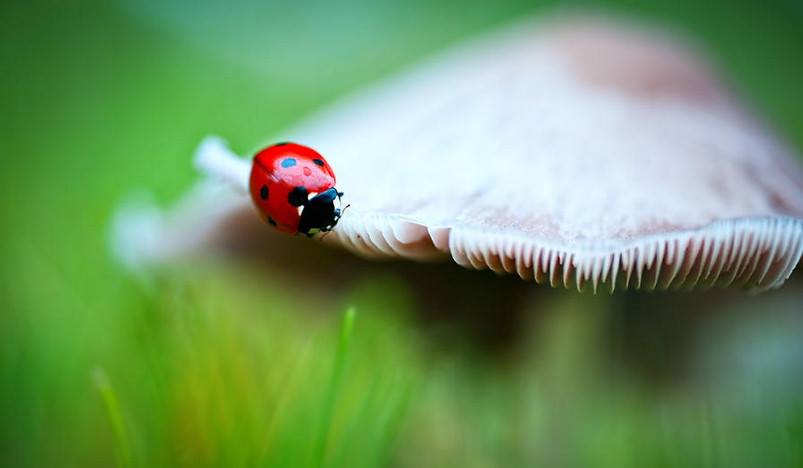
{"x": 214, "y": 158}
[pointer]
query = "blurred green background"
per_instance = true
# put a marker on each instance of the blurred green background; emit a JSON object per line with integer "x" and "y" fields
{"x": 231, "y": 363}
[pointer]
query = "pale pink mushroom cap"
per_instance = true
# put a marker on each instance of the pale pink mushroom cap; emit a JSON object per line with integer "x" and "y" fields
{"x": 578, "y": 154}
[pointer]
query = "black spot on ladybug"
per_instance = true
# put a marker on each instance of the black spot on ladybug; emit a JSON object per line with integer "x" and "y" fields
{"x": 289, "y": 162}
{"x": 263, "y": 192}
{"x": 318, "y": 162}
{"x": 282, "y": 143}
{"x": 297, "y": 196}
{"x": 271, "y": 221}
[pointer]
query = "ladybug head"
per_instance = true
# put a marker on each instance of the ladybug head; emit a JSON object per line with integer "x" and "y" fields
{"x": 319, "y": 213}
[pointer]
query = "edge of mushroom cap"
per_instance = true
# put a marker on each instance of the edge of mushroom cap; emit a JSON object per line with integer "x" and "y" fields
{"x": 756, "y": 253}
{"x": 751, "y": 253}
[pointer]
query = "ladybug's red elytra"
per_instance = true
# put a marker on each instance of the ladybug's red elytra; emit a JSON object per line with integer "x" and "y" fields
{"x": 293, "y": 187}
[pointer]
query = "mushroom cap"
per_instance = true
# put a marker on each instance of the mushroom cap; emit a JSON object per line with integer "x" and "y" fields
{"x": 575, "y": 153}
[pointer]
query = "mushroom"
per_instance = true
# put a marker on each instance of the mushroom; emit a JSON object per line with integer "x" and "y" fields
{"x": 577, "y": 153}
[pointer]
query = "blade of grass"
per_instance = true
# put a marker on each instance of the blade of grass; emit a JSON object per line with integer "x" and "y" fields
{"x": 334, "y": 384}
{"x": 392, "y": 424}
{"x": 101, "y": 380}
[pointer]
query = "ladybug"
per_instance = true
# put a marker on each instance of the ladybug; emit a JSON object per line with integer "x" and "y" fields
{"x": 293, "y": 187}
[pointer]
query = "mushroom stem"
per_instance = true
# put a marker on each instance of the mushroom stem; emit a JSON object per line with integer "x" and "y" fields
{"x": 214, "y": 158}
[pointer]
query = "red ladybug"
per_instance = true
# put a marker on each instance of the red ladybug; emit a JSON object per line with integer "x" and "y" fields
{"x": 294, "y": 188}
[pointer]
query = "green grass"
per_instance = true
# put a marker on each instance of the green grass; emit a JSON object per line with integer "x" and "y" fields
{"x": 113, "y": 407}
{"x": 226, "y": 364}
